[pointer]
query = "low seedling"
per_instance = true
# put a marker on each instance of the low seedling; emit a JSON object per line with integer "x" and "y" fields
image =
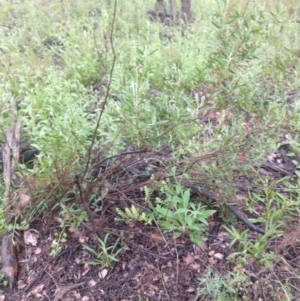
{"x": 56, "y": 245}
{"x": 176, "y": 212}
{"x": 107, "y": 255}
{"x": 132, "y": 214}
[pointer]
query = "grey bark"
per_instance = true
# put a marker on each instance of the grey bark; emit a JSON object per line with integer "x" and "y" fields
{"x": 172, "y": 7}
{"x": 186, "y": 11}
{"x": 161, "y": 10}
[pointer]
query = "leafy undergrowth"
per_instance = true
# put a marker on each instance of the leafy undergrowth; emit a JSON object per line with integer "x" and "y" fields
{"x": 188, "y": 188}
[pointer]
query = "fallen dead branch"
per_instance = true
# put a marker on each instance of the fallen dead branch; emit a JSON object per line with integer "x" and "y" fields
{"x": 126, "y": 174}
{"x": 233, "y": 209}
{"x": 9, "y": 259}
{"x": 131, "y": 171}
{"x": 10, "y": 156}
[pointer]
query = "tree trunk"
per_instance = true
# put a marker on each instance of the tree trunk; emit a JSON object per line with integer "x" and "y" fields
{"x": 172, "y": 8}
{"x": 186, "y": 11}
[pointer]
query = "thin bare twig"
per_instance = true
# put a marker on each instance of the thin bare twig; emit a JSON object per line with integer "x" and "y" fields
{"x": 107, "y": 90}
{"x": 79, "y": 176}
{"x": 84, "y": 202}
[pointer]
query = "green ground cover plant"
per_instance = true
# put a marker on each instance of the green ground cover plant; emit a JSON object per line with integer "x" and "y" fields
{"x": 107, "y": 254}
{"x": 177, "y": 213}
{"x": 239, "y": 59}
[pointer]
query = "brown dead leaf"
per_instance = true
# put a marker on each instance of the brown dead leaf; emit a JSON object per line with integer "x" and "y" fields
{"x": 188, "y": 259}
{"x": 37, "y": 291}
{"x": 21, "y": 284}
{"x": 100, "y": 221}
{"x": 61, "y": 291}
{"x": 195, "y": 266}
{"x": 156, "y": 236}
{"x": 31, "y": 277}
{"x": 74, "y": 232}
{"x": 290, "y": 239}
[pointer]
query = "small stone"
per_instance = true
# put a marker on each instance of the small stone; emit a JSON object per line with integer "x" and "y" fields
{"x": 92, "y": 283}
{"x": 219, "y": 256}
{"x": 211, "y": 253}
{"x": 190, "y": 290}
{"x": 102, "y": 274}
{"x": 195, "y": 266}
{"x": 222, "y": 235}
{"x": 38, "y": 251}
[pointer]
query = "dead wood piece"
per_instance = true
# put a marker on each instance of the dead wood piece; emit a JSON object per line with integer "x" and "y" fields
{"x": 9, "y": 259}
{"x": 26, "y": 155}
{"x": 273, "y": 167}
{"x": 243, "y": 219}
{"x": 215, "y": 229}
{"x": 6, "y": 168}
{"x": 234, "y": 210}
{"x": 282, "y": 162}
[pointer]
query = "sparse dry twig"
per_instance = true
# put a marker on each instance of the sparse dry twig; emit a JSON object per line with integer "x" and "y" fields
{"x": 114, "y": 58}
